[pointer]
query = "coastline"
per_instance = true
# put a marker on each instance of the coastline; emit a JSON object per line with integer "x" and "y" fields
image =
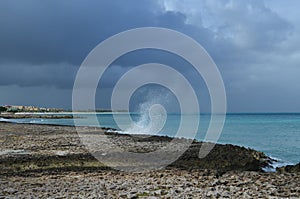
{"x": 33, "y": 152}
{"x": 276, "y": 162}
{"x": 36, "y": 115}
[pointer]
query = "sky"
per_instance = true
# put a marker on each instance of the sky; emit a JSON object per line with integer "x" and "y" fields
{"x": 254, "y": 43}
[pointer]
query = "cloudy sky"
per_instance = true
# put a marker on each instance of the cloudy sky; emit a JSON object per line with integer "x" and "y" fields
{"x": 255, "y": 45}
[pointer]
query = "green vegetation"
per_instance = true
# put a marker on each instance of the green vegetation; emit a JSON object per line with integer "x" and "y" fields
{"x": 13, "y": 110}
{"x": 28, "y": 163}
{"x": 2, "y": 109}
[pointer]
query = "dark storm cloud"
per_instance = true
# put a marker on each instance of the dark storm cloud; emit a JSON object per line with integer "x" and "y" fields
{"x": 42, "y": 43}
{"x": 61, "y": 31}
{"x": 48, "y": 32}
{"x": 59, "y": 75}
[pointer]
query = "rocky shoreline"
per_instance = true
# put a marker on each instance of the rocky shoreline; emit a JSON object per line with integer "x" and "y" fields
{"x": 50, "y": 161}
{"x": 40, "y": 116}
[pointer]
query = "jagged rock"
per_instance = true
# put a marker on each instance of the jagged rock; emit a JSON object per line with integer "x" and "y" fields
{"x": 41, "y": 173}
{"x": 289, "y": 168}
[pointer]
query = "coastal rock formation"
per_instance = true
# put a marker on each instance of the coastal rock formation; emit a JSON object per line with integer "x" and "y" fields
{"x": 42, "y": 116}
{"x": 224, "y": 158}
{"x": 289, "y": 168}
{"x": 166, "y": 183}
{"x": 49, "y": 161}
{"x": 51, "y": 146}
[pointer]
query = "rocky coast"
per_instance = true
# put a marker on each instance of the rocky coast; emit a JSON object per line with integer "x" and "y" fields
{"x": 31, "y": 115}
{"x": 49, "y": 161}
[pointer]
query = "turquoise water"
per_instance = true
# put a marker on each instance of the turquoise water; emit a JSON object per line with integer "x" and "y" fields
{"x": 277, "y": 135}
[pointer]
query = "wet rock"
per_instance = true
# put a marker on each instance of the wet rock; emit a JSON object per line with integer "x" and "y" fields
{"x": 289, "y": 168}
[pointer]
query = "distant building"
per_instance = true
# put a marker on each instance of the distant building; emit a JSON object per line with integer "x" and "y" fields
{"x": 14, "y": 108}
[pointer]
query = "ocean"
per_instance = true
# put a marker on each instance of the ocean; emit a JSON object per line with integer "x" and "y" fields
{"x": 277, "y": 135}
